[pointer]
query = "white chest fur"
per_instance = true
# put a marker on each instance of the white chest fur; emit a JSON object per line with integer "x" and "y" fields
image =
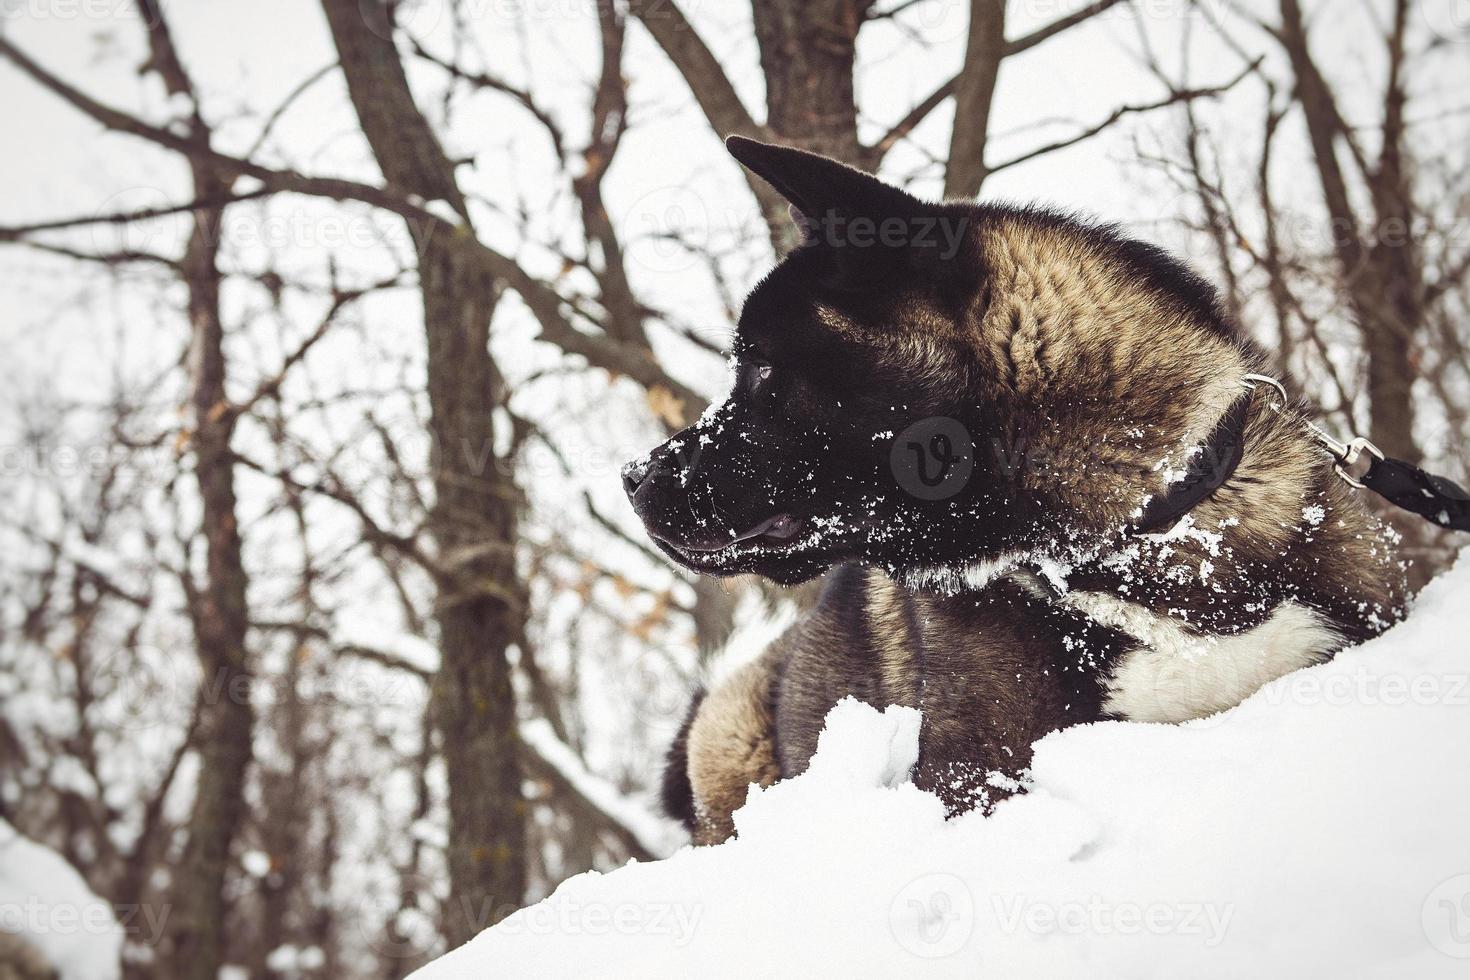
{"x": 1176, "y": 674}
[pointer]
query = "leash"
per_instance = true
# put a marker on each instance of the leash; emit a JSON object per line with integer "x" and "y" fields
{"x": 1436, "y": 499}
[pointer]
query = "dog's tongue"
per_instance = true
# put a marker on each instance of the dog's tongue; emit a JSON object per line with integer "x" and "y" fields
{"x": 781, "y": 527}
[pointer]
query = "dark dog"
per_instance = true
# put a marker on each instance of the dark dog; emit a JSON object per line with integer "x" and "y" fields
{"x": 1024, "y": 446}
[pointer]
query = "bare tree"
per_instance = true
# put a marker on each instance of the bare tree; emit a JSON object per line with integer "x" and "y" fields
{"x": 220, "y": 616}
{"x": 481, "y": 604}
{"x": 1393, "y": 269}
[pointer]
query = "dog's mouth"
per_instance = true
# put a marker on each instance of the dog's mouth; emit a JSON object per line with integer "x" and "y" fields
{"x": 778, "y": 532}
{"x": 783, "y": 547}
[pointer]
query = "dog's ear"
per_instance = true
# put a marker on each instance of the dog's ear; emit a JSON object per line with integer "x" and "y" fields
{"x": 868, "y": 233}
{"x": 820, "y": 187}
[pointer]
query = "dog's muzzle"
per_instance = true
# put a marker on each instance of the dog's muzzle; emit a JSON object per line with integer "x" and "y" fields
{"x": 657, "y": 496}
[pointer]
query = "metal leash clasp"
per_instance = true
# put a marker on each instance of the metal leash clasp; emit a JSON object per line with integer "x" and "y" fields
{"x": 1345, "y": 453}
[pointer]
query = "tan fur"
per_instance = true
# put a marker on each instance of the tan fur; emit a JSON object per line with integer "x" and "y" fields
{"x": 888, "y": 621}
{"x": 731, "y": 745}
{"x": 1068, "y": 325}
{"x": 21, "y": 960}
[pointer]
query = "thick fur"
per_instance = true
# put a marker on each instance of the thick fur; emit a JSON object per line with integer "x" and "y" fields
{"x": 1083, "y": 369}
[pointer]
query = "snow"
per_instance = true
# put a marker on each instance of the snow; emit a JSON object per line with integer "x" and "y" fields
{"x": 1316, "y": 830}
{"x": 650, "y": 831}
{"x": 45, "y": 902}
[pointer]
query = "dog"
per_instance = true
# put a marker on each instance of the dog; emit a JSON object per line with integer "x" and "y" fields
{"x": 1028, "y": 453}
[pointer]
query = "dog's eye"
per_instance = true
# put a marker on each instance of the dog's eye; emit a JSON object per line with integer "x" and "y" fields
{"x": 757, "y": 373}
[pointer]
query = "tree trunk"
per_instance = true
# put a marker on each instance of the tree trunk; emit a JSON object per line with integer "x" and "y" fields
{"x": 1394, "y": 256}
{"x": 1382, "y": 280}
{"x": 974, "y": 93}
{"x": 481, "y": 603}
{"x": 808, "y": 51}
{"x": 226, "y": 719}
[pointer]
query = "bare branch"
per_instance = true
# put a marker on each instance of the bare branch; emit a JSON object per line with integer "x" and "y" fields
{"x": 1174, "y": 98}
{"x": 1047, "y": 32}
{"x": 874, "y": 154}
{"x": 544, "y": 302}
{"x": 269, "y": 387}
{"x": 381, "y": 657}
{"x": 711, "y": 88}
{"x": 16, "y": 233}
{"x": 285, "y": 104}
{"x": 701, "y": 70}
{"x": 974, "y": 93}
{"x": 486, "y": 81}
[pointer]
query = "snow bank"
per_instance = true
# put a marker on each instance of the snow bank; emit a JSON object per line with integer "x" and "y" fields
{"x": 47, "y": 904}
{"x": 1320, "y": 829}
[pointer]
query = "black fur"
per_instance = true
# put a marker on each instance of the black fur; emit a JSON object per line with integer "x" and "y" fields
{"x": 675, "y": 793}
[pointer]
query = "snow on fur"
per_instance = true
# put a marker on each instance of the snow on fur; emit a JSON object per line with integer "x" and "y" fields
{"x": 1318, "y": 829}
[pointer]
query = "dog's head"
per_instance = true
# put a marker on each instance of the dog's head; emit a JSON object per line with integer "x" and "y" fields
{"x": 848, "y": 432}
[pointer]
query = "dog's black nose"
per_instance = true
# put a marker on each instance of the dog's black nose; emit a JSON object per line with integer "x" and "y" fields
{"x": 634, "y": 474}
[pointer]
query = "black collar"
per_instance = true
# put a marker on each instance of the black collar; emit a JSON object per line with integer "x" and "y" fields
{"x": 1209, "y": 466}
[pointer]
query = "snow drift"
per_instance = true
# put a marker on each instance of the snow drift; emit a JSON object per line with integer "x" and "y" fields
{"x": 1320, "y": 829}
{"x": 45, "y": 902}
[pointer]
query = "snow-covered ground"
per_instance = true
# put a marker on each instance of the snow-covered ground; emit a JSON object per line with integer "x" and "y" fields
{"x": 47, "y": 904}
{"x": 1321, "y": 829}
